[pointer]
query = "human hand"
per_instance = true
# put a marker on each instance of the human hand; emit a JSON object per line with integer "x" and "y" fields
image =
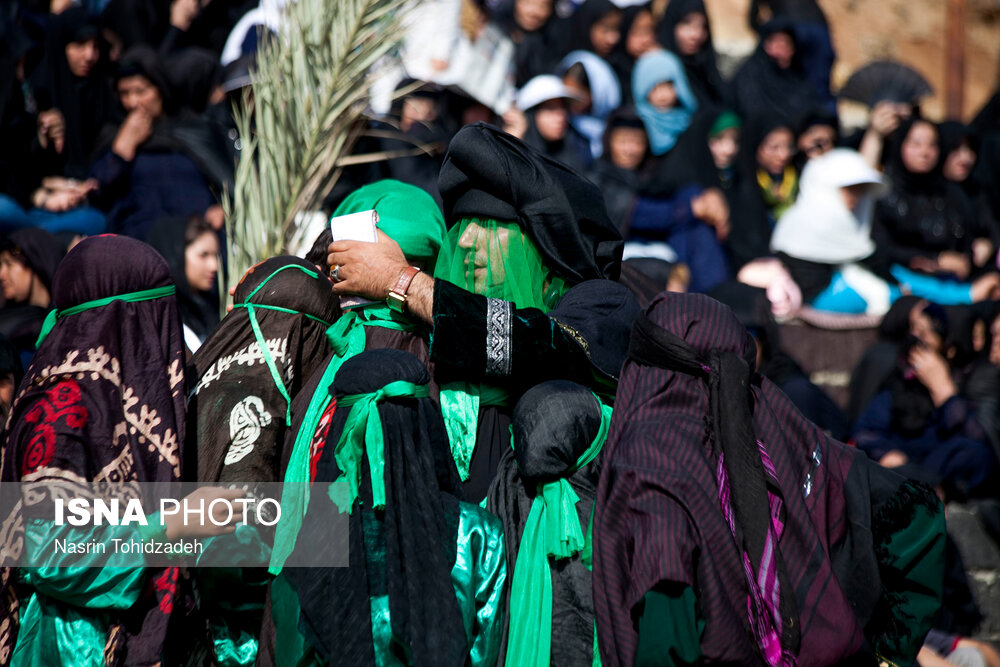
{"x": 59, "y": 201}
{"x": 886, "y": 117}
{"x": 369, "y": 270}
{"x": 931, "y": 370}
{"x": 138, "y": 127}
{"x": 983, "y": 252}
{"x": 52, "y": 130}
{"x": 515, "y": 122}
{"x": 174, "y": 524}
{"x": 711, "y": 207}
{"x": 216, "y": 217}
{"x": 893, "y": 459}
{"x": 955, "y": 263}
{"x": 183, "y": 13}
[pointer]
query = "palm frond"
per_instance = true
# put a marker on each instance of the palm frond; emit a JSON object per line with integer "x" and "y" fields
{"x": 303, "y": 115}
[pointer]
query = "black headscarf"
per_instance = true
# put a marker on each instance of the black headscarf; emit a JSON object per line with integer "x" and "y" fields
{"x": 751, "y": 231}
{"x": 620, "y": 60}
{"x": 489, "y": 173}
{"x": 199, "y": 310}
{"x": 137, "y": 21}
{"x": 702, "y": 73}
{"x": 904, "y": 180}
{"x": 553, "y": 424}
{"x": 535, "y": 52}
{"x": 87, "y": 104}
{"x": 104, "y": 399}
{"x": 193, "y": 74}
{"x": 583, "y": 19}
{"x": 38, "y": 249}
{"x": 761, "y": 87}
{"x": 406, "y": 551}
{"x": 237, "y": 412}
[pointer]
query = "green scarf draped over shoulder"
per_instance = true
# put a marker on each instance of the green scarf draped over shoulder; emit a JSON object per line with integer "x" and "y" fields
{"x": 552, "y": 530}
{"x": 411, "y": 218}
{"x": 498, "y": 260}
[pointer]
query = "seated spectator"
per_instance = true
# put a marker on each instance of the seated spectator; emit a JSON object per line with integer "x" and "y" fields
{"x": 597, "y": 91}
{"x": 595, "y": 26}
{"x": 663, "y": 99}
{"x": 534, "y": 32}
{"x": 960, "y": 150}
{"x": 818, "y": 133}
{"x": 768, "y": 185}
{"x": 72, "y": 89}
{"x": 685, "y": 31}
{"x": 924, "y": 227}
{"x": 920, "y": 417}
{"x": 773, "y": 81}
{"x": 191, "y": 249}
{"x": 544, "y": 123}
{"x": 28, "y": 260}
{"x": 156, "y": 164}
{"x": 638, "y": 37}
{"x": 824, "y": 239}
{"x": 616, "y": 172}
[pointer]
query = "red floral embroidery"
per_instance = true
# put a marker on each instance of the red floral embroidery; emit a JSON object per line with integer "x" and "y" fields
{"x": 61, "y": 402}
{"x": 166, "y": 587}
{"x": 319, "y": 438}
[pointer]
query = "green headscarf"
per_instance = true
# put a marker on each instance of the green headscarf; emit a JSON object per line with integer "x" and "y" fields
{"x": 407, "y": 214}
{"x": 411, "y": 218}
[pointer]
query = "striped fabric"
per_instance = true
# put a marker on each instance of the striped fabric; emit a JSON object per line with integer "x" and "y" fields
{"x": 658, "y": 517}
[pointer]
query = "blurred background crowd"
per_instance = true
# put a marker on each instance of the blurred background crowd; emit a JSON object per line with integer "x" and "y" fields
{"x": 740, "y": 181}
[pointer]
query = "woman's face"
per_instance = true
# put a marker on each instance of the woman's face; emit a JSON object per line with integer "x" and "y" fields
{"x": 959, "y": 163}
{"x": 923, "y": 330}
{"x": 605, "y": 33}
{"x": 552, "y": 120}
{"x": 724, "y": 146}
{"x": 995, "y": 343}
{"x": 531, "y": 15}
{"x": 486, "y": 250}
{"x": 641, "y": 38}
{"x": 663, "y": 96}
{"x": 627, "y": 146}
{"x": 920, "y": 148}
{"x": 852, "y": 194}
{"x": 775, "y": 152}
{"x": 82, "y": 57}
{"x": 138, "y": 92}
{"x": 691, "y": 33}
{"x": 201, "y": 262}
{"x": 817, "y": 140}
{"x": 16, "y": 279}
{"x": 780, "y": 48}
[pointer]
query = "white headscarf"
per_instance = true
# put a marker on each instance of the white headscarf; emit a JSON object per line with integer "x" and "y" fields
{"x": 819, "y": 227}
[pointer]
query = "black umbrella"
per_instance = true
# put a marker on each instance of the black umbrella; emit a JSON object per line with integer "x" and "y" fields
{"x": 886, "y": 81}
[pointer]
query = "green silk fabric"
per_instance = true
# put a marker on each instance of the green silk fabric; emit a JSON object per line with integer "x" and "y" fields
{"x": 132, "y": 297}
{"x": 347, "y": 338}
{"x": 407, "y": 214}
{"x": 552, "y": 530}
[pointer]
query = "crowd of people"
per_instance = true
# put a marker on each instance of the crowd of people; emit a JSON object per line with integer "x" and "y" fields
{"x": 561, "y": 421}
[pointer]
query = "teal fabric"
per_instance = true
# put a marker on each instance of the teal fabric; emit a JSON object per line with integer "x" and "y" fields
{"x": 65, "y": 622}
{"x": 477, "y": 576}
{"x": 939, "y": 290}
{"x": 670, "y": 629}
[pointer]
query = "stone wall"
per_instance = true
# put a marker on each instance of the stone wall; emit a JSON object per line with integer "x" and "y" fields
{"x": 911, "y": 31}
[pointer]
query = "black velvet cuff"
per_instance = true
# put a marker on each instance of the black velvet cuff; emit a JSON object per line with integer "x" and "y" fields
{"x": 458, "y": 341}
